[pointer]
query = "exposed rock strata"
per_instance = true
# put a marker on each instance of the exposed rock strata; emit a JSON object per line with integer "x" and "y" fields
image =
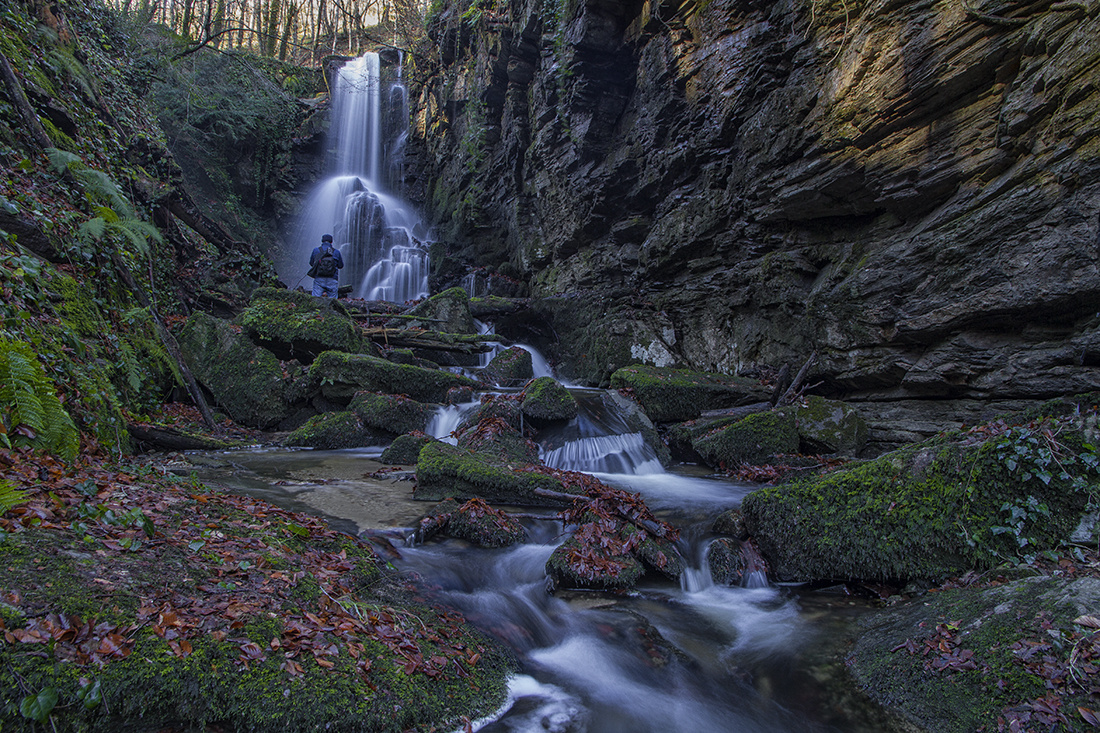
{"x": 910, "y": 188}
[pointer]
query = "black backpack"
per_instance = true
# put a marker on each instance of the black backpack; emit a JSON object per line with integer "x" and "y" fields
{"x": 326, "y": 266}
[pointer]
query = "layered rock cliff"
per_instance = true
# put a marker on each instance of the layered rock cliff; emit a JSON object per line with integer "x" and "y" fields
{"x": 910, "y": 188}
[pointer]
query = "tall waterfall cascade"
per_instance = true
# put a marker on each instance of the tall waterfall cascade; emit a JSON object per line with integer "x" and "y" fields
{"x": 382, "y": 239}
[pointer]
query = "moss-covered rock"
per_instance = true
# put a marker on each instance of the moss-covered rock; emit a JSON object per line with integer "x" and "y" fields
{"x": 498, "y": 441}
{"x": 335, "y": 430}
{"x": 395, "y": 413}
{"x": 755, "y": 439}
{"x": 997, "y": 628}
{"x": 573, "y": 565}
{"x": 656, "y": 553}
{"x": 342, "y": 375}
{"x": 246, "y": 381}
{"x": 445, "y": 471}
{"x": 725, "y": 561}
{"x": 481, "y": 525}
{"x": 459, "y": 395}
{"x": 296, "y": 325}
{"x": 731, "y": 523}
{"x": 405, "y": 449}
{"x": 511, "y": 367}
{"x": 496, "y": 406}
{"x": 830, "y": 426}
{"x": 949, "y": 504}
{"x": 546, "y": 399}
{"x": 671, "y": 395}
{"x": 448, "y": 311}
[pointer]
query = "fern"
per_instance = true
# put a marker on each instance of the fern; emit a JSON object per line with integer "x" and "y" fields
{"x": 10, "y": 497}
{"x": 30, "y": 412}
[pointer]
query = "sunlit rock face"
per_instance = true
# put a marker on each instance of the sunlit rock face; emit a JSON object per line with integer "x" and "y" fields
{"x": 911, "y": 189}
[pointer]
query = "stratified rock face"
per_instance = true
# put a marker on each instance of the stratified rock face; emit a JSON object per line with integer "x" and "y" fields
{"x": 910, "y": 188}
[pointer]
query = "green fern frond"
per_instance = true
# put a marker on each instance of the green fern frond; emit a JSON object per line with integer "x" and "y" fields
{"x": 10, "y": 497}
{"x": 93, "y": 229}
{"x": 98, "y": 186}
{"x": 28, "y": 400}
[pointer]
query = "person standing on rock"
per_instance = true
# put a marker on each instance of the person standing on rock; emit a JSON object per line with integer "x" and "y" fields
{"x": 324, "y": 266}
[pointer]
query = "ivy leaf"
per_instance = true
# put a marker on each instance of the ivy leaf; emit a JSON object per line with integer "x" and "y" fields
{"x": 38, "y": 707}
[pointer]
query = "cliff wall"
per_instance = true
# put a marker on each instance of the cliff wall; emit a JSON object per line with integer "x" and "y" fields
{"x": 911, "y": 188}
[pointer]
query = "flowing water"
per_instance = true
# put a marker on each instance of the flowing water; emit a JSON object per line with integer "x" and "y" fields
{"x": 692, "y": 656}
{"x": 383, "y": 239}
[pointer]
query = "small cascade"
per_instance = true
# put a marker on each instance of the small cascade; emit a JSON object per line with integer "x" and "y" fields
{"x": 383, "y": 241}
{"x": 599, "y": 440}
{"x": 487, "y": 329}
{"x": 447, "y": 419}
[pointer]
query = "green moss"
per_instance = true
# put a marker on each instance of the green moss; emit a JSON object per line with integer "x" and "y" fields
{"x": 569, "y": 562}
{"x": 342, "y": 375}
{"x": 333, "y": 430}
{"x": 448, "y": 311}
{"x": 670, "y": 395}
{"x": 393, "y": 413}
{"x": 546, "y": 399}
{"x": 444, "y": 471}
{"x": 246, "y": 381}
{"x": 926, "y": 511}
{"x": 405, "y": 449}
{"x": 755, "y": 439}
{"x": 510, "y": 367}
{"x": 300, "y": 324}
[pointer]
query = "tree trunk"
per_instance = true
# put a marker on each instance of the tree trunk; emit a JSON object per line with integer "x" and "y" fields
{"x": 19, "y": 98}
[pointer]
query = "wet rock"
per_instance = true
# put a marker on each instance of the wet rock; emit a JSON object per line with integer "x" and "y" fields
{"x": 336, "y": 430}
{"x": 395, "y": 413}
{"x": 481, "y": 525}
{"x": 546, "y": 399}
{"x": 297, "y": 325}
{"x": 830, "y": 426}
{"x": 510, "y": 368}
{"x": 497, "y": 406}
{"x": 725, "y": 561}
{"x": 448, "y": 311}
{"x": 498, "y": 441}
{"x": 930, "y": 510}
{"x": 445, "y": 471}
{"x": 573, "y": 565}
{"x": 435, "y": 521}
{"x": 405, "y": 449}
{"x": 656, "y": 553}
{"x": 756, "y": 439}
{"x": 669, "y": 395}
{"x": 459, "y": 395}
{"x": 731, "y": 523}
{"x": 246, "y": 381}
{"x": 341, "y": 375}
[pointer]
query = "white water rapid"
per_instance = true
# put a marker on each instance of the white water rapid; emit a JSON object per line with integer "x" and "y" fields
{"x": 382, "y": 239}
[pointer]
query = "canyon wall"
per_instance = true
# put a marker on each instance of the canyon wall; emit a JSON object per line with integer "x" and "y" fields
{"x": 909, "y": 188}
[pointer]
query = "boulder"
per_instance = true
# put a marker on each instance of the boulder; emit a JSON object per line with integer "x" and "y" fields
{"x": 341, "y": 375}
{"x": 672, "y": 395}
{"x": 546, "y": 399}
{"x": 573, "y": 565}
{"x": 246, "y": 381}
{"x": 459, "y": 395}
{"x": 498, "y": 441}
{"x": 448, "y": 311}
{"x": 481, "y": 525}
{"x": 725, "y": 561}
{"x": 830, "y": 426}
{"x": 335, "y": 430}
{"x": 394, "y": 413}
{"x": 294, "y": 324}
{"x": 499, "y": 406}
{"x": 510, "y": 368}
{"x": 730, "y": 523}
{"x": 405, "y": 449}
{"x": 656, "y": 553}
{"x": 445, "y": 471}
{"x": 755, "y": 440}
{"x": 949, "y": 504}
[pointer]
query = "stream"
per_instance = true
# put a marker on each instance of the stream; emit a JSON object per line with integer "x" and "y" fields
{"x": 665, "y": 657}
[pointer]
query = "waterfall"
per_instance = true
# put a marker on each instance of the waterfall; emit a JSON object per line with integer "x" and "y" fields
{"x": 383, "y": 240}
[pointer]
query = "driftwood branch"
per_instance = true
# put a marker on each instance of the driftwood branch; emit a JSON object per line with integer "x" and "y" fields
{"x": 433, "y": 340}
{"x": 792, "y": 392}
{"x": 742, "y": 411}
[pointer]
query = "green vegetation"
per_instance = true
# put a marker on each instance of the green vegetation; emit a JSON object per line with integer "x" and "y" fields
{"x": 669, "y": 395}
{"x": 546, "y": 399}
{"x": 755, "y": 439}
{"x": 444, "y": 471}
{"x": 30, "y": 413}
{"x": 299, "y": 324}
{"x": 393, "y": 413}
{"x": 341, "y": 375}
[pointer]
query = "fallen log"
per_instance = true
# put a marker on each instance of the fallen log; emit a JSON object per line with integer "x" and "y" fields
{"x": 742, "y": 411}
{"x": 432, "y": 340}
{"x": 168, "y": 438}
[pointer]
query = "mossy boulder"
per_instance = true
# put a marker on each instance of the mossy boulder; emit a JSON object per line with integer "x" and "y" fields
{"x": 448, "y": 311}
{"x": 296, "y": 325}
{"x": 1001, "y": 627}
{"x": 830, "y": 426}
{"x": 731, "y": 523}
{"x": 481, "y": 525}
{"x": 755, "y": 440}
{"x": 341, "y": 375}
{"x": 405, "y": 449}
{"x": 656, "y": 553}
{"x": 395, "y": 413}
{"x": 673, "y": 395}
{"x": 725, "y": 561}
{"x": 576, "y": 565}
{"x": 511, "y": 367}
{"x": 933, "y": 509}
{"x": 445, "y": 471}
{"x": 459, "y": 395}
{"x": 335, "y": 430}
{"x": 496, "y": 406}
{"x": 546, "y": 399}
{"x": 246, "y": 381}
{"x": 498, "y": 441}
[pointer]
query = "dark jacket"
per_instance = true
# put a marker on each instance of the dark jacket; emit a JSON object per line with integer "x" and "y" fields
{"x": 319, "y": 250}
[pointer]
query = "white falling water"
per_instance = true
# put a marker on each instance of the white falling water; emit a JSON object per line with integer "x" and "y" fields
{"x": 381, "y": 238}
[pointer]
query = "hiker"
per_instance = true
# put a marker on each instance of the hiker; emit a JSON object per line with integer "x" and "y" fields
{"x": 324, "y": 266}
